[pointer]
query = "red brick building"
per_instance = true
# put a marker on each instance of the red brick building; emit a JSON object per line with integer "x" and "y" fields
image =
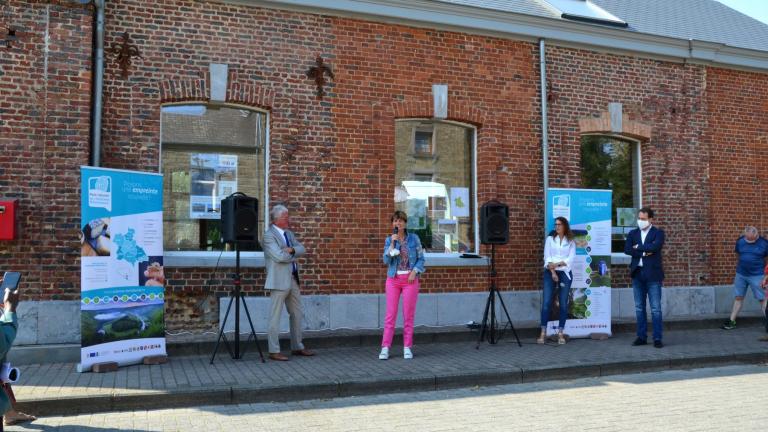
{"x": 687, "y": 103}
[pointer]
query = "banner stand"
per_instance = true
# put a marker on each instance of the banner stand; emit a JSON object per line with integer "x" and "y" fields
{"x": 122, "y": 278}
{"x": 588, "y": 212}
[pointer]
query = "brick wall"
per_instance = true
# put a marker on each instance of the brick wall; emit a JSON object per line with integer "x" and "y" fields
{"x": 737, "y": 131}
{"x": 331, "y": 160}
{"x": 669, "y": 98}
{"x": 45, "y": 81}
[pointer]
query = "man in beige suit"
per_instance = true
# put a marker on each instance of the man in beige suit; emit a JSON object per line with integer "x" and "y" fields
{"x": 281, "y": 251}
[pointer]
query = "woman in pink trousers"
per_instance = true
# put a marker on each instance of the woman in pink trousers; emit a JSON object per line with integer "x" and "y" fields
{"x": 404, "y": 258}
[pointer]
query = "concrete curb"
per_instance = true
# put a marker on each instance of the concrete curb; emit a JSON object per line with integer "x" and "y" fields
{"x": 141, "y": 400}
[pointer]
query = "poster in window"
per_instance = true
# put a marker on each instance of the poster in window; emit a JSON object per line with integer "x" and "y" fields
{"x": 211, "y": 175}
{"x": 417, "y": 214}
{"x": 227, "y": 188}
{"x": 625, "y": 216}
{"x": 447, "y": 226}
{"x": 459, "y": 202}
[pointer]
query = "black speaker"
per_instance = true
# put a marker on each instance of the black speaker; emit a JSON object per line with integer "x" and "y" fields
{"x": 494, "y": 223}
{"x": 239, "y": 219}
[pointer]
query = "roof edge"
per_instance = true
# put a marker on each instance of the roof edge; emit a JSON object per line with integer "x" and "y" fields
{"x": 486, "y": 22}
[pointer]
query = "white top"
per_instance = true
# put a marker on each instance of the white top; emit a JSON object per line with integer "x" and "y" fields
{"x": 643, "y": 234}
{"x": 557, "y": 249}
{"x": 280, "y": 230}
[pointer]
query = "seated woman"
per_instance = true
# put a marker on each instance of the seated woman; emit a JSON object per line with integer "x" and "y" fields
{"x": 559, "y": 251}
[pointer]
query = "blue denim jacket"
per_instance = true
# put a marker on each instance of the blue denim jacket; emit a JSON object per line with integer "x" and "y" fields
{"x": 415, "y": 255}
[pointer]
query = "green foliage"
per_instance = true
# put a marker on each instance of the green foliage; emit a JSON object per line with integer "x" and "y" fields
{"x": 577, "y": 308}
{"x": 125, "y": 324}
{"x": 606, "y": 163}
{"x": 126, "y": 327}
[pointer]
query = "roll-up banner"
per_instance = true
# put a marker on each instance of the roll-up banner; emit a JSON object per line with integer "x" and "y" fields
{"x": 589, "y": 214}
{"x": 121, "y": 267}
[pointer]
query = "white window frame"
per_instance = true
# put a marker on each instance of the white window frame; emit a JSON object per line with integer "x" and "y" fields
{"x": 620, "y": 258}
{"x": 222, "y": 259}
{"x": 443, "y": 259}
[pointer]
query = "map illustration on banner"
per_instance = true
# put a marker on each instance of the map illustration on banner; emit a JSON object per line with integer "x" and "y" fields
{"x": 121, "y": 275}
{"x": 589, "y": 214}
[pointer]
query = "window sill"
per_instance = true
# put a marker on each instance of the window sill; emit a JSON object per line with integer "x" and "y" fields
{"x": 209, "y": 259}
{"x": 618, "y": 258}
{"x": 444, "y": 260}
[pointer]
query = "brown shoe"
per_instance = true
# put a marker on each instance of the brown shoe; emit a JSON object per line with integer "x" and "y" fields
{"x": 763, "y": 338}
{"x": 278, "y": 357}
{"x": 303, "y": 352}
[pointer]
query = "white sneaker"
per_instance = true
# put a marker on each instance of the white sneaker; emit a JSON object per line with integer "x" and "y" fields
{"x": 384, "y": 354}
{"x": 407, "y": 354}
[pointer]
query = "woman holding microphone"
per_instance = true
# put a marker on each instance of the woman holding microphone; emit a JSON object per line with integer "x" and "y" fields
{"x": 559, "y": 251}
{"x": 404, "y": 258}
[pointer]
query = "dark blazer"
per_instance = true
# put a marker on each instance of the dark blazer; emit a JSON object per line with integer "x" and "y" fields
{"x": 652, "y": 264}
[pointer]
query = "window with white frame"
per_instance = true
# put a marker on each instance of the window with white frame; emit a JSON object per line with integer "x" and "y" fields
{"x": 608, "y": 162}
{"x": 437, "y": 192}
{"x": 207, "y": 153}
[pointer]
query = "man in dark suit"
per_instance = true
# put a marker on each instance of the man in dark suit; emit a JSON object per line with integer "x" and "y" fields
{"x": 644, "y": 245}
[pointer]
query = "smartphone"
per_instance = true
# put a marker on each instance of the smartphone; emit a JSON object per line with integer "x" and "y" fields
{"x": 10, "y": 281}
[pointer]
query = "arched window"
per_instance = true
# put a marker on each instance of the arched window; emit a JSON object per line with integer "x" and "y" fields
{"x": 207, "y": 153}
{"x": 435, "y": 183}
{"x": 609, "y": 162}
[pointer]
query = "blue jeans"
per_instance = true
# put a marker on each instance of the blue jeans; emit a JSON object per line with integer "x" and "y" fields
{"x": 549, "y": 293}
{"x": 643, "y": 288}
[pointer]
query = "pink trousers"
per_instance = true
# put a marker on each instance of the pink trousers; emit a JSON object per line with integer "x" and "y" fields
{"x": 395, "y": 286}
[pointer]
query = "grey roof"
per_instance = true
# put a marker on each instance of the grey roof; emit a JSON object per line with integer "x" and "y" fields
{"x": 702, "y": 20}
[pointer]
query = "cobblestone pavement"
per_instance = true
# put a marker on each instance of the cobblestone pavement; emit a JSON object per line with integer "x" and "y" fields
{"x": 713, "y": 399}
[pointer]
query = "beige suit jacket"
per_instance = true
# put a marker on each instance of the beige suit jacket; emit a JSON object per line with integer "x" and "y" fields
{"x": 278, "y": 262}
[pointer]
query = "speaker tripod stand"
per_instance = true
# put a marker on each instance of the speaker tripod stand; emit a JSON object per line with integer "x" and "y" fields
{"x": 235, "y": 296}
{"x": 489, "y": 319}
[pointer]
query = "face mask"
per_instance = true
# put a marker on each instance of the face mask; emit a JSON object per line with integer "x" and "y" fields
{"x": 642, "y": 224}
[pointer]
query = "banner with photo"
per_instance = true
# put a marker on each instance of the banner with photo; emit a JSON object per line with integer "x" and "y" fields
{"x": 588, "y": 212}
{"x": 121, "y": 266}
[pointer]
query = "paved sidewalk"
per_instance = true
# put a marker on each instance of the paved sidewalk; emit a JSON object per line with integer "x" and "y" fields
{"x": 58, "y": 388}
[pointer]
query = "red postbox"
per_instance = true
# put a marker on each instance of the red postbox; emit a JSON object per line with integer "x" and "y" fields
{"x": 8, "y": 219}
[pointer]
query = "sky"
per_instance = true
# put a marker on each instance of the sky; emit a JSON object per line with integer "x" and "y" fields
{"x": 757, "y": 9}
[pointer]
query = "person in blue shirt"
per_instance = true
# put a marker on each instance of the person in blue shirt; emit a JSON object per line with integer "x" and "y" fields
{"x": 752, "y": 251}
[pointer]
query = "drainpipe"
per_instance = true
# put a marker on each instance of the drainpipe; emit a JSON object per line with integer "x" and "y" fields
{"x": 98, "y": 85}
{"x": 544, "y": 125}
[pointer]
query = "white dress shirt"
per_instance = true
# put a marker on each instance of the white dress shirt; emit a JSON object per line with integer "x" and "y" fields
{"x": 643, "y": 234}
{"x": 559, "y": 249}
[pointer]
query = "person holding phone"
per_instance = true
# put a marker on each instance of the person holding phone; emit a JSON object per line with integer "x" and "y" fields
{"x": 8, "y": 327}
{"x": 404, "y": 258}
{"x": 559, "y": 251}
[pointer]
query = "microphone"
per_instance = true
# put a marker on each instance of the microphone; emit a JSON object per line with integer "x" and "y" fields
{"x": 396, "y": 249}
